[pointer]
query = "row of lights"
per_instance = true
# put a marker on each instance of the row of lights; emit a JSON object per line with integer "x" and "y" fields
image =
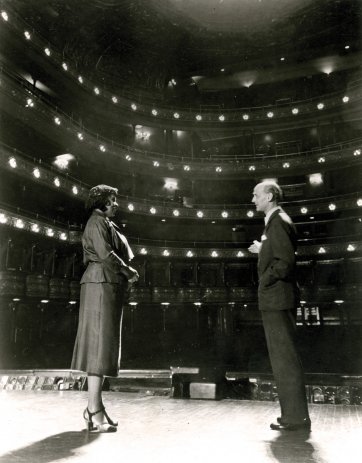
{"x": 32, "y": 226}
{"x": 199, "y": 214}
{"x": 197, "y": 304}
{"x": 166, "y": 252}
{"x": 37, "y": 174}
{"x": 218, "y": 169}
{"x": 350, "y": 248}
{"x": 225, "y": 214}
{"x": 154, "y": 111}
{"x": 186, "y": 167}
{"x": 43, "y": 301}
{"x": 198, "y": 117}
{"x": 189, "y": 253}
{"x": 48, "y": 231}
{"x": 176, "y": 213}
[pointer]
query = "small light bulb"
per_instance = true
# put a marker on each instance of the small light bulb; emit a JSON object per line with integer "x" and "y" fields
{"x": 12, "y": 162}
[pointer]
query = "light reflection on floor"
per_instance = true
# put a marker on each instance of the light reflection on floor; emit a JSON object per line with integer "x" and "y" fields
{"x": 46, "y": 426}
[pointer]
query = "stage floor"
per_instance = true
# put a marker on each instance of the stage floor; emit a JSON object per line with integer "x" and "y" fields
{"x": 47, "y": 426}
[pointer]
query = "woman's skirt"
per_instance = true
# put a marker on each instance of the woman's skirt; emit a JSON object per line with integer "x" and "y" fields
{"x": 97, "y": 345}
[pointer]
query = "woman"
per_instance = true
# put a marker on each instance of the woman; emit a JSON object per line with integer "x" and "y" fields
{"x": 103, "y": 286}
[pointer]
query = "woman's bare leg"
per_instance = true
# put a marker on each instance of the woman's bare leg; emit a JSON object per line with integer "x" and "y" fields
{"x": 95, "y": 383}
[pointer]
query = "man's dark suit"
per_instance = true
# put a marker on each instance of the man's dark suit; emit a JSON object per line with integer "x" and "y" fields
{"x": 278, "y": 296}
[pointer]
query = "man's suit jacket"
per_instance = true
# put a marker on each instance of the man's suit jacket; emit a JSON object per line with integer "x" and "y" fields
{"x": 277, "y": 264}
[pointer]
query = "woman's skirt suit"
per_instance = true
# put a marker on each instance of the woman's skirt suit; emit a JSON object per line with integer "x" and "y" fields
{"x": 103, "y": 287}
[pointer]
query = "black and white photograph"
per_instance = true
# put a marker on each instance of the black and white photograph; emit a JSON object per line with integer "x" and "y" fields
{"x": 180, "y": 231}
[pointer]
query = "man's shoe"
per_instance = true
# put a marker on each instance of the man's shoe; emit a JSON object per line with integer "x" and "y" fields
{"x": 280, "y": 426}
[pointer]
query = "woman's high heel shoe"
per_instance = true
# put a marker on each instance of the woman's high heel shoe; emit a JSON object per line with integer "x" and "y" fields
{"x": 110, "y": 421}
{"x": 101, "y": 427}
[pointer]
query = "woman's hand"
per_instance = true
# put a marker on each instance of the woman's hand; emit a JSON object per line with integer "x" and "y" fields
{"x": 133, "y": 279}
{"x": 130, "y": 273}
{"x": 134, "y": 275}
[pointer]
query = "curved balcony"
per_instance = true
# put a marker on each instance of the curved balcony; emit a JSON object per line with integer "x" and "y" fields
{"x": 167, "y": 249}
{"x": 20, "y": 164}
{"x": 181, "y": 116}
{"x": 94, "y": 146}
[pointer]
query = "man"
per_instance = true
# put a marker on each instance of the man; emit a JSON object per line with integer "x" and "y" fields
{"x": 278, "y": 296}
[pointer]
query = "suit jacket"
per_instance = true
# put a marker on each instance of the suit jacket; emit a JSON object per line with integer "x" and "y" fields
{"x": 277, "y": 264}
{"x": 106, "y": 251}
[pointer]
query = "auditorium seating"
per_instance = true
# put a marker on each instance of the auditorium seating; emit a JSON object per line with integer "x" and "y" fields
{"x": 185, "y": 165}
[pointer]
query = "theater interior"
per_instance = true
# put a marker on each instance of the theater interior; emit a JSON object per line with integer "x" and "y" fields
{"x": 184, "y": 106}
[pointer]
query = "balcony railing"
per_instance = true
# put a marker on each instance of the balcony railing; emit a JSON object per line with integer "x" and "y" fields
{"x": 346, "y": 153}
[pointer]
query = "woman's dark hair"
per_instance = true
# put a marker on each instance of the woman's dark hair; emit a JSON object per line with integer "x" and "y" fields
{"x": 98, "y": 197}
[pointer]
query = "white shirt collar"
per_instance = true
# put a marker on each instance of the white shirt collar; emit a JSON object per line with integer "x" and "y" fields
{"x": 269, "y": 213}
